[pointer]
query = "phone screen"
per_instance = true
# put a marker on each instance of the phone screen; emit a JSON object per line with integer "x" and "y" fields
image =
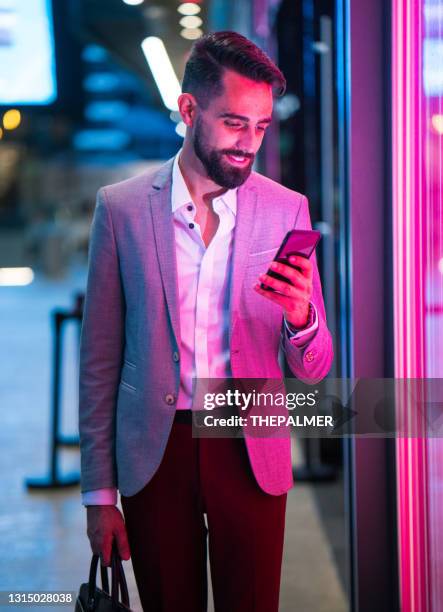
{"x": 296, "y": 242}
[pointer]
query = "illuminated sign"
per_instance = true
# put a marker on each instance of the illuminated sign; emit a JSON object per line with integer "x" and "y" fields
{"x": 27, "y": 61}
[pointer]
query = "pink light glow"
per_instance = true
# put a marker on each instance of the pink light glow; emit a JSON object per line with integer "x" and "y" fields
{"x": 417, "y": 120}
{"x": 409, "y": 235}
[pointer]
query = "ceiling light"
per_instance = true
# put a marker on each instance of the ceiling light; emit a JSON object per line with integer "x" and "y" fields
{"x": 16, "y": 276}
{"x": 12, "y": 119}
{"x": 162, "y": 71}
{"x": 155, "y": 12}
{"x": 188, "y": 8}
{"x": 106, "y": 110}
{"x": 133, "y": 2}
{"x": 180, "y": 129}
{"x": 191, "y": 21}
{"x": 287, "y": 106}
{"x": 101, "y": 82}
{"x": 175, "y": 116}
{"x": 108, "y": 139}
{"x": 191, "y": 33}
{"x": 94, "y": 54}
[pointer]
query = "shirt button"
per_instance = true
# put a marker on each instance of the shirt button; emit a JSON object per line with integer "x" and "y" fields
{"x": 191, "y": 226}
{"x": 175, "y": 356}
{"x": 310, "y": 356}
{"x": 190, "y": 207}
{"x": 170, "y": 399}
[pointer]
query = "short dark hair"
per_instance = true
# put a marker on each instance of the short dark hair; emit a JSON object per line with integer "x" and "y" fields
{"x": 213, "y": 52}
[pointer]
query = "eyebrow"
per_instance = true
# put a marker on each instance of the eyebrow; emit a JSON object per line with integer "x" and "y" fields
{"x": 243, "y": 118}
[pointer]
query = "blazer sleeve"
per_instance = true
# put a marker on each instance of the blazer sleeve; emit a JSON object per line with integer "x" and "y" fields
{"x": 312, "y": 361}
{"x": 101, "y": 350}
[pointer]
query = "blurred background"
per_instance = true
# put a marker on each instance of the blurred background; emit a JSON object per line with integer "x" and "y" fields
{"x": 88, "y": 93}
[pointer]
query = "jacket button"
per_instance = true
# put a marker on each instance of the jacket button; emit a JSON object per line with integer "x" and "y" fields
{"x": 175, "y": 356}
{"x": 170, "y": 399}
{"x": 310, "y": 355}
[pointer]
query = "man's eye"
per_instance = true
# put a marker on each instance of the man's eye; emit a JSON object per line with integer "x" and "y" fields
{"x": 234, "y": 125}
{"x": 260, "y": 128}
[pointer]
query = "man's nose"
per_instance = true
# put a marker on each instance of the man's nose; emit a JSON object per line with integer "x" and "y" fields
{"x": 248, "y": 142}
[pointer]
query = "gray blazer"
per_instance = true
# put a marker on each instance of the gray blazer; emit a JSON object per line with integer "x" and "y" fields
{"x": 130, "y": 336}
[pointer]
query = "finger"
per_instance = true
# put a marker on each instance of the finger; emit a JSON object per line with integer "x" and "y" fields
{"x": 292, "y": 274}
{"x": 105, "y": 555}
{"x": 123, "y": 544}
{"x": 303, "y": 263}
{"x": 278, "y": 285}
{"x": 281, "y": 300}
{"x": 96, "y": 543}
{"x": 291, "y": 296}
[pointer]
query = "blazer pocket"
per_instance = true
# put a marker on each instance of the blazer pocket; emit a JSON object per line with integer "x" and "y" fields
{"x": 128, "y": 376}
{"x": 128, "y": 387}
{"x": 262, "y": 257}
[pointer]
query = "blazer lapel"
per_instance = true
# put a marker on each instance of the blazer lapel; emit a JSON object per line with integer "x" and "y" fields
{"x": 246, "y": 206}
{"x": 160, "y": 198}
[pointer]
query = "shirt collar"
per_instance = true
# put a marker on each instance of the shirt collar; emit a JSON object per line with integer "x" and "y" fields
{"x": 180, "y": 195}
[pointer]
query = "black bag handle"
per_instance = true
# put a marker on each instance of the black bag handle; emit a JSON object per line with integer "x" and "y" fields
{"x": 92, "y": 580}
{"x": 117, "y": 577}
{"x": 104, "y": 576}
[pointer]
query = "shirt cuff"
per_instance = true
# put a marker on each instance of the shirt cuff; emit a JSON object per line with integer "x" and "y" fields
{"x": 312, "y": 325}
{"x": 100, "y": 497}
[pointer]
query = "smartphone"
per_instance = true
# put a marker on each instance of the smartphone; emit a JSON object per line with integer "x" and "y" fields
{"x": 296, "y": 242}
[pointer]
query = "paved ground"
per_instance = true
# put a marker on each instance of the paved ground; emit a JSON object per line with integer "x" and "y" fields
{"x": 42, "y": 534}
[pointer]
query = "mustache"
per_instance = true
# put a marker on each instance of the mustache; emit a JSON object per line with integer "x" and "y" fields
{"x": 238, "y": 153}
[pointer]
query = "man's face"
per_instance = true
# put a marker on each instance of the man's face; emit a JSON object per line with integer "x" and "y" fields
{"x": 229, "y": 132}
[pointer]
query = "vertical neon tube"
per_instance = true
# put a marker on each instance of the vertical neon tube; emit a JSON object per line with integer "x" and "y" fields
{"x": 408, "y": 226}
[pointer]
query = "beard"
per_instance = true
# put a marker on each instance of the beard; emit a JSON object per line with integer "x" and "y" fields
{"x": 216, "y": 165}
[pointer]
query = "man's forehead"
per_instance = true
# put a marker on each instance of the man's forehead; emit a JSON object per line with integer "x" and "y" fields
{"x": 239, "y": 90}
{"x": 247, "y": 103}
{"x": 232, "y": 79}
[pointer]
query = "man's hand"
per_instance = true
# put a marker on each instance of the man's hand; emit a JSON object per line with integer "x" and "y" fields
{"x": 294, "y": 299}
{"x": 104, "y": 524}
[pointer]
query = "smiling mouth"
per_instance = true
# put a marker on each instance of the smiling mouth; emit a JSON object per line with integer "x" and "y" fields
{"x": 238, "y": 160}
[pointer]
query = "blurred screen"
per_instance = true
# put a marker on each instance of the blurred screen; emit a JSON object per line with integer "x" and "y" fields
{"x": 27, "y": 60}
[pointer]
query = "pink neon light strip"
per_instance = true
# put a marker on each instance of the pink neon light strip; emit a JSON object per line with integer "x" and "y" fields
{"x": 409, "y": 239}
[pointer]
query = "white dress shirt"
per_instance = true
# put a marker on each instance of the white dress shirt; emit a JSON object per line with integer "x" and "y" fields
{"x": 204, "y": 275}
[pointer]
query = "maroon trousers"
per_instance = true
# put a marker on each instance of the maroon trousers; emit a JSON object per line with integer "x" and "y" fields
{"x": 167, "y": 532}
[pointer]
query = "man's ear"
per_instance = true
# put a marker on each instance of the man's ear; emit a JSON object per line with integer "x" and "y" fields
{"x": 187, "y": 106}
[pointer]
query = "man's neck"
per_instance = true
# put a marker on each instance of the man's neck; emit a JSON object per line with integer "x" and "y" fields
{"x": 201, "y": 188}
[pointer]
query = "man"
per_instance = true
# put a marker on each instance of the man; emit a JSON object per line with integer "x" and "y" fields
{"x": 175, "y": 265}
